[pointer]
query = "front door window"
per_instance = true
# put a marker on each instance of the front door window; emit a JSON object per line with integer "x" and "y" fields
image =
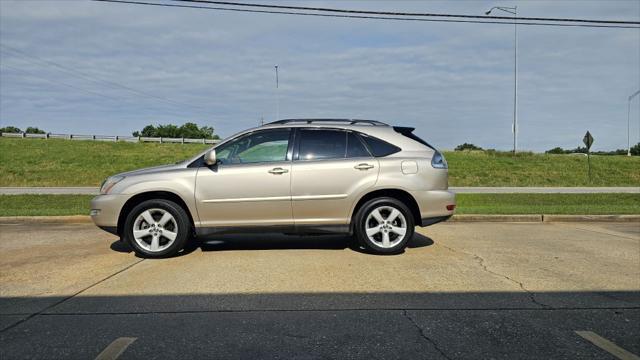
{"x": 258, "y": 147}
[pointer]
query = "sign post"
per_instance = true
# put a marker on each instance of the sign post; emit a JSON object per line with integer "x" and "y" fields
{"x": 588, "y": 141}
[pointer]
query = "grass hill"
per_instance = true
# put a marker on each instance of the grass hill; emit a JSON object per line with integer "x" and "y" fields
{"x": 54, "y": 162}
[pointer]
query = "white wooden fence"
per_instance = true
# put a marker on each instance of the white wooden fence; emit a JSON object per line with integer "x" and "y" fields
{"x": 111, "y": 138}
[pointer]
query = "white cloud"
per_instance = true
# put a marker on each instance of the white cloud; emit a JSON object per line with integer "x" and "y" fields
{"x": 451, "y": 81}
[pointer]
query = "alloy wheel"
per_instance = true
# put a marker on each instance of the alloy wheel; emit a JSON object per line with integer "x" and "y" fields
{"x": 155, "y": 230}
{"x": 386, "y": 226}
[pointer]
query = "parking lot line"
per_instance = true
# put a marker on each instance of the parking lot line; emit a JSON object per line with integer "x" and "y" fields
{"x": 116, "y": 348}
{"x": 608, "y": 346}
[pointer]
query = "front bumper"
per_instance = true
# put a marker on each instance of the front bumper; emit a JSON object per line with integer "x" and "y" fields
{"x": 105, "y": 211}
{"x": 434, "y": 205}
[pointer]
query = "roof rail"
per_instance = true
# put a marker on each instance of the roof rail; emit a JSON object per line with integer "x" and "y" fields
{"x": 310, "y": 121}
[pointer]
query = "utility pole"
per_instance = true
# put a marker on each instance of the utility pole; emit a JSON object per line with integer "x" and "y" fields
{"x": 629, "y": 121}
{"x": 513, "y": 11}
{"x": 277, "y": 96}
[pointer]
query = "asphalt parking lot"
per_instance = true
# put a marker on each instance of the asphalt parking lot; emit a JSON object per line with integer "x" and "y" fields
{"x": 460, "y": 291}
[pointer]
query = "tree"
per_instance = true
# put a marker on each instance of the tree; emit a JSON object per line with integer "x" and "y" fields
{"x": 10, "y": 129}
{"x": 34, "y": 130}
{"x": 559, "y": 150}
{"x": 556, "y": 150}
{"x": 187, "y": 130}
{"x": 148, "y": 131}
{"x": 614, "y": 152}
{"x": 168, "y": 130}
{"x": 466, "y": 146}
{"x": 191, "y": 130}
{"x": 583, "y": 150}
{"x": 578, "y": 150}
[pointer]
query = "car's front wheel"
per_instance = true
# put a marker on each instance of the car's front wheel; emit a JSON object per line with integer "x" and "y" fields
{"x": 384, "y": 225}
{"x": 157, "y": 228}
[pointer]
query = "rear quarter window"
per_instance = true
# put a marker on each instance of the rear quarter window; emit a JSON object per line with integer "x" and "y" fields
{"x": 380, "y": 148}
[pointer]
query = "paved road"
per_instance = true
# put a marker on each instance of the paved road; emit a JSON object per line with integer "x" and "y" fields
{"x": 461, "y": 291}
{"x": 83, "y": 190}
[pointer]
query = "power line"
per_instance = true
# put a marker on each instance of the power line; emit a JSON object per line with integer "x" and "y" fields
{"x": 94, "y": 79}
{"x": 511, "y": 22}
{"x": 349, "y": 11}
{"x": 82, "y": 89}
{"x": 30, "y": 60}
{"x": 59, "y": 82}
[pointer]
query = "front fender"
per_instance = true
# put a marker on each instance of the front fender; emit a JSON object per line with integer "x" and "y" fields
{"x": 178, "y": 182}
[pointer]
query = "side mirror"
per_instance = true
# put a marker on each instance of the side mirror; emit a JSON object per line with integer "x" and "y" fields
{"x": 210, "y": 157}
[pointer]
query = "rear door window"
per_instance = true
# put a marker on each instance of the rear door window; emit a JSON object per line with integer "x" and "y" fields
{"x": 322, "y": 144}
{"x": 355, "y": 147}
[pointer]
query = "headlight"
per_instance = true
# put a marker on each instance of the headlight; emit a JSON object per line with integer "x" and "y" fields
{"x": 108, "y": 184}
{"x": 438, "y": 161}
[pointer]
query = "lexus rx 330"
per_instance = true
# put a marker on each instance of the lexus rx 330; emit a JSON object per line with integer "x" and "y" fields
{"x": 364, "y": 178}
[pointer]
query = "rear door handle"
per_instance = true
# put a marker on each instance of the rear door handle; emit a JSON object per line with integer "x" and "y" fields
{"x": 363, "y": 166}
{"x": 278, "y": 171}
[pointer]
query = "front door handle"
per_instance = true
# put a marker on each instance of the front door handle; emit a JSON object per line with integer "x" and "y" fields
{"x": 363, "y": 166}
{"x": 278, "y": 171}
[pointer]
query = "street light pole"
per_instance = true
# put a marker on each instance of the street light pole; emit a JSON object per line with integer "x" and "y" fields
{"x": 629, "y": 121}
{"x": 514, "y": 12}
{"x": 515, "y": 82}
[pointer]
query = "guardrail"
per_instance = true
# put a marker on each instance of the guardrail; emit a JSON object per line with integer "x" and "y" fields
{"x": 111, "y": 138}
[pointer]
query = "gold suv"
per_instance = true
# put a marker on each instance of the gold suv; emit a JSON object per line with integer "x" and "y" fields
{"x": 310, "y": 176}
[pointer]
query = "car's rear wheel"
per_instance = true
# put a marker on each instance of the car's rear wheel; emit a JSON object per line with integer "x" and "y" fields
{"x": 384, "y": 225}
{"x": 157, "y": 228}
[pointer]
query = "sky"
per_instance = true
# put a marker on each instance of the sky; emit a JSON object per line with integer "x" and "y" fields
{"x": 87, "y": 67}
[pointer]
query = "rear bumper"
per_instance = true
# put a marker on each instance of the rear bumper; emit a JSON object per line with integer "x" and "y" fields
{"x": 434, "y": 220}
{"x": 434, "y": 205}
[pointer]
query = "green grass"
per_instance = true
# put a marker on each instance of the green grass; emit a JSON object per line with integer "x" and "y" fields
{"x": 527, "y": 169}
{"x": 57, "y": 162}
{"x": 44, "y": 205}
{"x": 53, "y": 162}
{"x": 579, "y": 204}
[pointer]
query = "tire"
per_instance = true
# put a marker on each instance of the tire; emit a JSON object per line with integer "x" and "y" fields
{"x": 170, "y": 226}
{"x": 384, "y": 238}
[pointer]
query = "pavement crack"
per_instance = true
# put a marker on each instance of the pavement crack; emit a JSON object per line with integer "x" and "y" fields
{"x": 297, "y": 336}
{"x": 405, "y": 313}
{"x": 481, "y": 261}
{"x": 32, "y": 315}
{"x": 577, "y": 227}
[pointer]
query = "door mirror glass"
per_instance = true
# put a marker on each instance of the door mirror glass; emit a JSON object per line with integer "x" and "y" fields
{"x": 210, "y": 157}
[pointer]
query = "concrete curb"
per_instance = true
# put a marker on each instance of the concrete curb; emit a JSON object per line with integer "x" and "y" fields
{"x": 544, "y": 218}
{"x": 71, "y": 219}
{"x": 84, "y": 219}
{"x": 496, "y": 218}
{"x": 591, "y": 218}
